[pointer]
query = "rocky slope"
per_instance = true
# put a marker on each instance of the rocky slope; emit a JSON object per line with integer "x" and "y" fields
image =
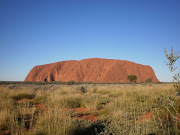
{"x": 91, "y": 70}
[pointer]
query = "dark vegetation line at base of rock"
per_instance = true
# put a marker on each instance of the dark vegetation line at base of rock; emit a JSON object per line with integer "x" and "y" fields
{"x": 65, "y": 83}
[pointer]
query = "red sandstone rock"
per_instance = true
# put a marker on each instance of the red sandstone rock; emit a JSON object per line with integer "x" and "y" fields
{"x": 91, "y": 70}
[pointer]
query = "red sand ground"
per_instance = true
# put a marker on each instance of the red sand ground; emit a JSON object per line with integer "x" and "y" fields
{"x": 81, "y": 110}
{"x": 146, "y": 117}
{"x": 40, "y": 106}
{"x": 24, "y": 100}
{"x": 85, "y": 114}
{"x": 89, "y": 117}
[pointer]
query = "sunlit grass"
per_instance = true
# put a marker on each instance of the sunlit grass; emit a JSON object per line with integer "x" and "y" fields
{"x": 115, "y": 109}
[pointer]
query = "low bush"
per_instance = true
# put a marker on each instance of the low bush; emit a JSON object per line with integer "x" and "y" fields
{"x": 71, "y": 82}
{"x": 132, "y": 78}
{"x": 149, "y": 80}
{"x": 83, "y": 89}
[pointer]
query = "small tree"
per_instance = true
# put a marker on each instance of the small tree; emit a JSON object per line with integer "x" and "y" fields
{"x": 168, "y": 102}
{"x": 149, "y": 80}
{"x": 132, "y": 78}
{"x": 172, "y": 58}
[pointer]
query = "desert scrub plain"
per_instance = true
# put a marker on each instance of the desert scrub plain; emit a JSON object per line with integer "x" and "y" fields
{"x": 89, "y": 109}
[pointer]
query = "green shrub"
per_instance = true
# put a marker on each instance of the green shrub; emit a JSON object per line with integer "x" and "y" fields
{"x": 71, "y": 82}
{"x": 83, "y": 89}
{"x": 149, "y": 80}
{"x": 132, "y": 78}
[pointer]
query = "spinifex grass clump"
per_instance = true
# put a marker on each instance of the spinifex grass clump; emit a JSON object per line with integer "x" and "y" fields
{"x": 71, "y": 102}
{"x": 102, "y": 102}
{"x": 4, "y": 121}
{"x": 141, "y": 98}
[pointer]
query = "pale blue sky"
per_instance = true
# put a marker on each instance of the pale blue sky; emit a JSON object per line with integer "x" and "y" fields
{"x": 35, "y": 32}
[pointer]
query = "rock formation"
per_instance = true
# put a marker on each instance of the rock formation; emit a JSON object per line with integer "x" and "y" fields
{"x": 91, "y": 70}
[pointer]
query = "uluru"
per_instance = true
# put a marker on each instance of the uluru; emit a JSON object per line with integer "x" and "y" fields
{"x": 91, "y": 70}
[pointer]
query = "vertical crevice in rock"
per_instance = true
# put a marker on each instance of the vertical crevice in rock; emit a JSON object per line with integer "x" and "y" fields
{"x": 51, "y": 78}
{"x": 45, "y": 80}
